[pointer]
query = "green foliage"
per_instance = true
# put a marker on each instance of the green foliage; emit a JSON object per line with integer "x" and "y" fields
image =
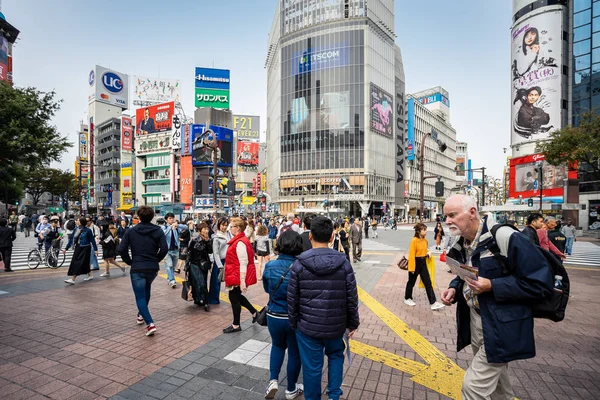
{"x": 575, "y": 144}
{"x": 50, "y": 180}
{"x": 27, "y": 136}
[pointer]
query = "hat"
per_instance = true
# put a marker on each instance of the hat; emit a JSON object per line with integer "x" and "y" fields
{"x": 54, "y": 219}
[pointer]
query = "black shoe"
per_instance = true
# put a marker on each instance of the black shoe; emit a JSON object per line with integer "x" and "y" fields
{"x": 254, "y": 317}
{"x": 206, "y": 308}
{"x": 8, "y": 270}
{"x": 231, "y": 329}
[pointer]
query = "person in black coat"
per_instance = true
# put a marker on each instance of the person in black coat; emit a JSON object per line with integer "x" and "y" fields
{"x": 199, "y": 252}
{"x": 535, "y": 221}
{"x": 306, "y": 245}
{"x": 7, "y": 236}
{"x": 321, "y": 321}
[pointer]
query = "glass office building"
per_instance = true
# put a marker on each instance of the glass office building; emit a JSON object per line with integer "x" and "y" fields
{"x": 336, "y": 108}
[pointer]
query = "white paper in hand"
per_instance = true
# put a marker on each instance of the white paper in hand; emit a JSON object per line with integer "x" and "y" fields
{"x": 462, "y": 270}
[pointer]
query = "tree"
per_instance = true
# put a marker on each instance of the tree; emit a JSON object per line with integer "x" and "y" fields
{"x": 37, "y": 183}
{"x": 27, "y": 137}
{"x": 576, "y": 145}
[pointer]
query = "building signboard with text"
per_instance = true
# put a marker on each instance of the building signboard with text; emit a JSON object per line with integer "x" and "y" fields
{"x": 212, "y": 98}
{"x": 108, "y": 86}
{"x": 126, "y": 134}
{"x": 157, "y": 90}
{"x": 154, "y": 119}
{"x": 247, "y": 126}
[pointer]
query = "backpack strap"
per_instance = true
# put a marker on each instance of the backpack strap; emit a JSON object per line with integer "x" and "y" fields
{"x": 496, "y": 250}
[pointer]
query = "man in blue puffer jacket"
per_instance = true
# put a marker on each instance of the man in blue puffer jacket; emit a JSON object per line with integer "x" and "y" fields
{"x": 320, "y": 321}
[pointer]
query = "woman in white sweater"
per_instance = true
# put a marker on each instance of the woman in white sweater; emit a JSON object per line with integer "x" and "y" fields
{"x": 219, "y": 252}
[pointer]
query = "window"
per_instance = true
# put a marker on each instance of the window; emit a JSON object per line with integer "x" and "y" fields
{"x": 580, "y": 48}
{"x": 582, "y": 18}
{"x": 581, "y": 76}
{"x": 582, "y": 33}
{"x": 596, "y": 24}
{"x": 596, "y": 55}
{"x": 582, "y": 5}
{"x": 582, "y": 62}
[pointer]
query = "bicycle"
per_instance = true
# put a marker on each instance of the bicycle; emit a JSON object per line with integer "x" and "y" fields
{"x": 53, "y": 258}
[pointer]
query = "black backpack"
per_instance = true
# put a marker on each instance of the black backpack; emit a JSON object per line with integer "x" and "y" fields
{"x": 552, "y": 307}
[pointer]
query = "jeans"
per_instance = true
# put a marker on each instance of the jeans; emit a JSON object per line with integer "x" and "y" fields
{"x": 283, "y": 337}
{"x": 94, "y": 261}
{"x": 569, "y": 245}
{"x": 170, "y": 261}
{"x": 422, "y": 271}
{"x": 215, "y": 285}
{"x": 237, "y": 300}
{"x": 311, "y": 354}
{"x": 142, "y": 282}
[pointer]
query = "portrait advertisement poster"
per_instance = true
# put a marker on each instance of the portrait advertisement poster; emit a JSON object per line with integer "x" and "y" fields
{"x": 202, "y": 155}
{"x": 158, "y": 90}
{"x": 3, "y": 58}
{"x": 460, "y": 165}
{"x": 83, "y": 146}
{"x": 536, "y": 54}
{"x": 154, "y": 119}
{"x": 247, "y": 153}
{"x": 382, "y": 111}
{"x": 126, "y": 134}
{"x": 525, "y": 179}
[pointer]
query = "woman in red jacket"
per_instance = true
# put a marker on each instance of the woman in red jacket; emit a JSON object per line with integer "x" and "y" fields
{"x": 240, "y": 273}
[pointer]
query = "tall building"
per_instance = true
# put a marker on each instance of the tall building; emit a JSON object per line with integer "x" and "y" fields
{"x": 584, "y": 18}
{"x": 335, "y": 108}
{"x": 108, "y": 162}
{"x": 8, "y": 36}
{"x": 462, "y": 157}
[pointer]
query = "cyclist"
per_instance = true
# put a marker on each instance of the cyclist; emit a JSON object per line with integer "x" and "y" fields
{"x": 51, "y": 233}
{"x": 40, "y": 227}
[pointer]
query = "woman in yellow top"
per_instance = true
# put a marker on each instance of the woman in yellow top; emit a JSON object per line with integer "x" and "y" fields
{"x": 417, "y": 266}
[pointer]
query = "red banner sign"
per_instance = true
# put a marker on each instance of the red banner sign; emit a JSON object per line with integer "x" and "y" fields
{"x": 247, "y": 153}
{"x": 154, "y": 119}
{"x": 126, "y": 134}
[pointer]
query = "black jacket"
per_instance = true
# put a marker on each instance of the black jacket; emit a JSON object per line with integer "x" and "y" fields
{"x": 7, "y": 235}
{"x": 531, "y": 234}
{"x": 306, "y": 244}
{"x": 148, "y": 247}
{"x": 322, "y": 296}
{"x": 559, "y": 240}
{"x": 199, "y": 251}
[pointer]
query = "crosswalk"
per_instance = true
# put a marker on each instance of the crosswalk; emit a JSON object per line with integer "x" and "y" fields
{"x": 584, "y": 254}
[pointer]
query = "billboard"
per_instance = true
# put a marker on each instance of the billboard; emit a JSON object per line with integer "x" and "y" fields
{"x": 536, "y": 54}
{"x": 126, "y": 134}
{"x": 3, "y": 58}
{"x": 83, "y": 146}
{"x": 320, "y": 58}
{"x": 211, "y": 78}
{"x": 186, "y": 176}
{"x": 154, "y": 119}
{"x": 247, "y": 153}
{"x": 410, "y": 146}
{"x": 435, "y": 98}
{"x": 153, "y": 144}
{"x": 461, "y": 165}
{"x": 157, "y": 90}
{"x": 334, "y": 111}
{"x": 126, "y": 186}
{"x": 525, "y": 179}
{"x": 382, "y": 111}
{"x": 108, "y": 86}
{"x": 202, "y": 155}
{"x": 212, "y": 98}
{"x": 247, "y": 126}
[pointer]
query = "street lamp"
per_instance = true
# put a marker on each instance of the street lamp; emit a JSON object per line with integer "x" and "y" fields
{"x": 213, "y": 145}
{"x": 442, "y": 146}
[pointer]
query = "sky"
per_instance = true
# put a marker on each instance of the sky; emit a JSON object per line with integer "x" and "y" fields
{"x": 461, "y": 45}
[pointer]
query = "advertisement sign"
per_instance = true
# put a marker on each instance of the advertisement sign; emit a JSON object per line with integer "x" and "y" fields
{"x": 526, "y": 181}
{"x": 202, "y": 155}
{"x": 410, "y": 147}
{"x": 108, "y": 86}
{"x": 320, "y": 58}
{"x": 382, "y": 110}
{"x": 126, "y": 134}
{"x": 153, "y": 144}
{"x": 334, "y": 111}
{"x": 186, "y": 175}
{"x": 247, "y": 153}
{"x": 157, "y": 90}
{"x": 212, "y": 98}
{"x": 176, "y": 137}
{"x": 247, "y": 126}
{"x": 3, "y": 58}
{"x": 461, "y": 165}
{"x": 126, "y": 187}
{"x": 211, "y": 78}
{"x": 186, "y": 141}
{"x": 154, "y": 119}
{"x": 83, "y": 146}
{"x": 536, "y": 54}
{"x": 435, "y": 98}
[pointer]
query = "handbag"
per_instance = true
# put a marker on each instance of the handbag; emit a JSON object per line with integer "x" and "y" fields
{"x": 401, "y": 262}
{"x": 205, "y": 265}
{"x": 186, "y": 291}
{"x": 261, "y": 316}
{"x": 443, "y": 256}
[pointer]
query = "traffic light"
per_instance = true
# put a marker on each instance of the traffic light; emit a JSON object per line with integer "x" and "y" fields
{"x": 231, "y": 187}
{"x": 439, "y": 189}
{"x": 530, "y": 203}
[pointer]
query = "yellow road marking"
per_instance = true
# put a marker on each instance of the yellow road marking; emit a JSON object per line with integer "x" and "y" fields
{"x": 385, "y": 357}
{"x": 584, "y": 268}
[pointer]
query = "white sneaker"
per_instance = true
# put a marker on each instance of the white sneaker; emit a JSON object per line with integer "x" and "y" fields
{"x": 105, "y": 275}
{"x": 70, "y": 281}
{"x": 272, "y": 389}
{"x": 124, "y": 269}
{"x": 410, "y": 302}
{"x": 437, "y": 306}
{"x": 173, "y": 284}
{"x": 89, "y": 278}
{"x": 296, "y": 393}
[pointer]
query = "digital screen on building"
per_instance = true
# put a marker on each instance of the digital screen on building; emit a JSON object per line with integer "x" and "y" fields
{"x": 382, "y": 111}
{"x": 320, "y": 58}
{"x": 531, "y": 174}
{"x": 202, "y": 155}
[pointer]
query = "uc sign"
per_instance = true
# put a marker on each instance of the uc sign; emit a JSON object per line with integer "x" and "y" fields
{"x": 112, "y": 82}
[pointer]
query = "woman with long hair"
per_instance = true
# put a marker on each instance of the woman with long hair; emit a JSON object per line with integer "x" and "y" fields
{"x": 438, "y": 234}
{"x": 83, "y": 240}
{"x": 219, "y": 253}
{"x": 200, "y": 249}
{"x": 417, "y": 266}
{"x": 240, "y": 273}
{"x": 282, "y": 335}
{"x": 108, "y": 241}
{"x": 261, "y": 247}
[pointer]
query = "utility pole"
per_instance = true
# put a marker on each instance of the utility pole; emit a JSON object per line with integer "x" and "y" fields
{"x": 442, "y": 147}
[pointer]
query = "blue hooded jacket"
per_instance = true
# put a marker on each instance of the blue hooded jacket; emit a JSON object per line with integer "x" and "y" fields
{"x": 274, "y": 270}
{"x": 148, "y": 247}
{"x": 322, "y": 295}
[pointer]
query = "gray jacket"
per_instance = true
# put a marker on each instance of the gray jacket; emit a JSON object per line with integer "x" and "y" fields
{"x": 355, "y": 234}
{"x": 568, "y": 231}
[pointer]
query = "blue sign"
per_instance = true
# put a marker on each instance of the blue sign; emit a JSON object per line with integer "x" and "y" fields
{"x": 435, "y": 98}
{"x": 210, "y": 78}
{"x": 112, "y": 82}
{"x": 411, "y": 130}
{"x": 91, "y": 78}
{"x": 201, "y": 155}
{"x": 320, "y": 58}
{"x": 470, "y": 172}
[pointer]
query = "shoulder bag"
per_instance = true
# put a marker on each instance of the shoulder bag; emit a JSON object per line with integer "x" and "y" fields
{"x": 401, "y": 262}
{"x": 261, "y": 316}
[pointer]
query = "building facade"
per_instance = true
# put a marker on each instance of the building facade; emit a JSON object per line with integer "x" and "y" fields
{"x": 333, "y": 76}
{"x": 462, "y": 160}
{"x": 8, "y": 36}
{"x": 108, "y": 163}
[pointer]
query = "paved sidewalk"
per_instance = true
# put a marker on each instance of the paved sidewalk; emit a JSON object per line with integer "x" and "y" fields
{"x": 82, "y": 342}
